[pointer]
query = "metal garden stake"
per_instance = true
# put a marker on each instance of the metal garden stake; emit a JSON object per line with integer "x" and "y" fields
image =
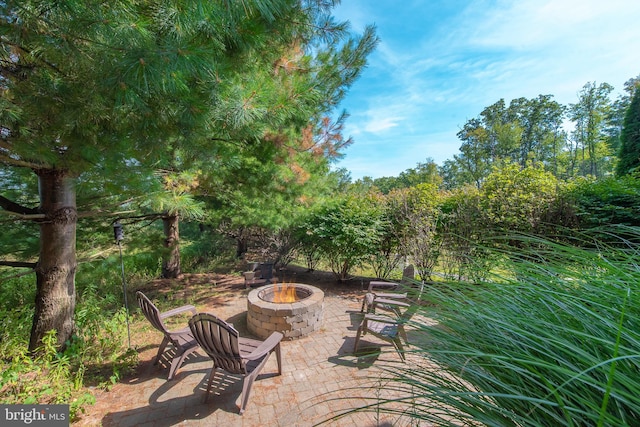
{"x": 118, "y": 234}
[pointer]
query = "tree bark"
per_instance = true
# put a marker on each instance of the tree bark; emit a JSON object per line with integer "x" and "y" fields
{"x": 56, "y": 267}
{"x": 242, "y": 246}
{"x": 171, "y": 261}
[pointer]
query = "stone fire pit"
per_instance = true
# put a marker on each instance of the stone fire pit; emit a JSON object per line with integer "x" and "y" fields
{"x": 294, "y": 319}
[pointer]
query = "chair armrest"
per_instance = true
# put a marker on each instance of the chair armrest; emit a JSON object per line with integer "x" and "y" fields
{"x": 378, "y": 284}
{"x": 179, "y": 310}
{"x": 391, "y": 302}
{"x": 388, "y": 295}
{"x": 266, "y": 346}
{"x": 381, "y": 319}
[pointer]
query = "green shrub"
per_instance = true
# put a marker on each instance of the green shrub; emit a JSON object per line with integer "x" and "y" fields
{"x": 516, "y": 199}
{"x": 607, "y": 201}
{"x": 346, "y": 231}
{"x": 415, "y": 214}
{"x": 464, "y": 235}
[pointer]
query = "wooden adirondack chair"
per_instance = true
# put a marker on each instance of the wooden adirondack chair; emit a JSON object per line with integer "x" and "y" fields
{"x": 232, "y": 353}
{"x": 181, "y": 339}
{"x": 389, "y": 328}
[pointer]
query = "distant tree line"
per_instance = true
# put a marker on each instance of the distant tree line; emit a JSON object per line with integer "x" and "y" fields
{"x": 602, "y": 142}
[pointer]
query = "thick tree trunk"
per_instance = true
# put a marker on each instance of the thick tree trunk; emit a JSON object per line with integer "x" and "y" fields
{"x": 171, "y": 261}
{"x": 56, "y": 268}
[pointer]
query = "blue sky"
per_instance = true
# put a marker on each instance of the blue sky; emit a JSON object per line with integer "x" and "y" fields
{"x": 441, "y": 62}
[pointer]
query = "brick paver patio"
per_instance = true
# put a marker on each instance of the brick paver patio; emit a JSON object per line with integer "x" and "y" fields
{"x": 319, "y": 375}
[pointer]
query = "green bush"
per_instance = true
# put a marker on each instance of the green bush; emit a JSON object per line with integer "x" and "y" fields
{"x": 462, "y": 229}
{"x": 415, "y": 215}
{"x": 516, "y": 199}
{"x": 607, "y": 201}
{"x": 346, "y": 231}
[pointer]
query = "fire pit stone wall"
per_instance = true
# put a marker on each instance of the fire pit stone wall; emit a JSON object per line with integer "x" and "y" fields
{"x": 295, "y": 320}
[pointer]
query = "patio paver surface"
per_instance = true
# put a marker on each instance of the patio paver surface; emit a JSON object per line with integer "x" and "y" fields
{"x": 320, "y": 372}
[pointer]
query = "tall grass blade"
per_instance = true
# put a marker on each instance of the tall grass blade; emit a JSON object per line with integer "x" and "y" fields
{"x": 552, "y": 338}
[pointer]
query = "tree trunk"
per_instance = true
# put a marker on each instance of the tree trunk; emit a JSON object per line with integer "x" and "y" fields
{"x": 171, "y": 261}
{"x": 56, "y": 268}
{"x": 242, "y": 246}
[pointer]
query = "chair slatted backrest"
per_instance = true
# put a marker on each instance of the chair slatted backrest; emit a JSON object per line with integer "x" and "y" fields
{"x": 219, "y": 340}
{"x": 151, "y": 312}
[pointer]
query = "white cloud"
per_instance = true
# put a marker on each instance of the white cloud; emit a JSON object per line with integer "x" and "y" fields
{"x": 564, "y": 26}
{"x": 385, "y": 112}
{"x": 375, "y": 126}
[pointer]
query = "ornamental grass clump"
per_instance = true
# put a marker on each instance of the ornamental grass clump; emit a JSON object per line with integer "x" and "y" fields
{"x": 553, "y": 341}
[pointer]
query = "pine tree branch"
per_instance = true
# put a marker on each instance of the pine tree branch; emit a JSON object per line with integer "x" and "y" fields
{"x": 101, "y": 213}
{"x": 13, "y": 207}
{"x": 230, "y": 141}
{"x": 9, "y": 69}
{"x": 23, "y": 217}
{"x": 10, "y": 161}
{"x": 27, "y": 51}
{"x": 139, "y": 218}
{"x": 18, "y": 264}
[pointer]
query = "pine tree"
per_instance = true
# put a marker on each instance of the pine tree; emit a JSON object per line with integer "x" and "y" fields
{"x": 98, "y": 95}
{"x": 93, "y": 85}
{"x": 629, "y": 157}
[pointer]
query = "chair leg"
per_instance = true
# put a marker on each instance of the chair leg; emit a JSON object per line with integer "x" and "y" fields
{"x": 355, "y": 346}
{"x": 248, "y": 382}
{"x": 163, "y": 345}
{"x": 177, "y": 361}
{"x": 397, "y": 343}
{"x": 278, "y": 358}
{"x": 403, "y": 334}
{"x": 210, "y": 382}
{"x": 246, "y": 389}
